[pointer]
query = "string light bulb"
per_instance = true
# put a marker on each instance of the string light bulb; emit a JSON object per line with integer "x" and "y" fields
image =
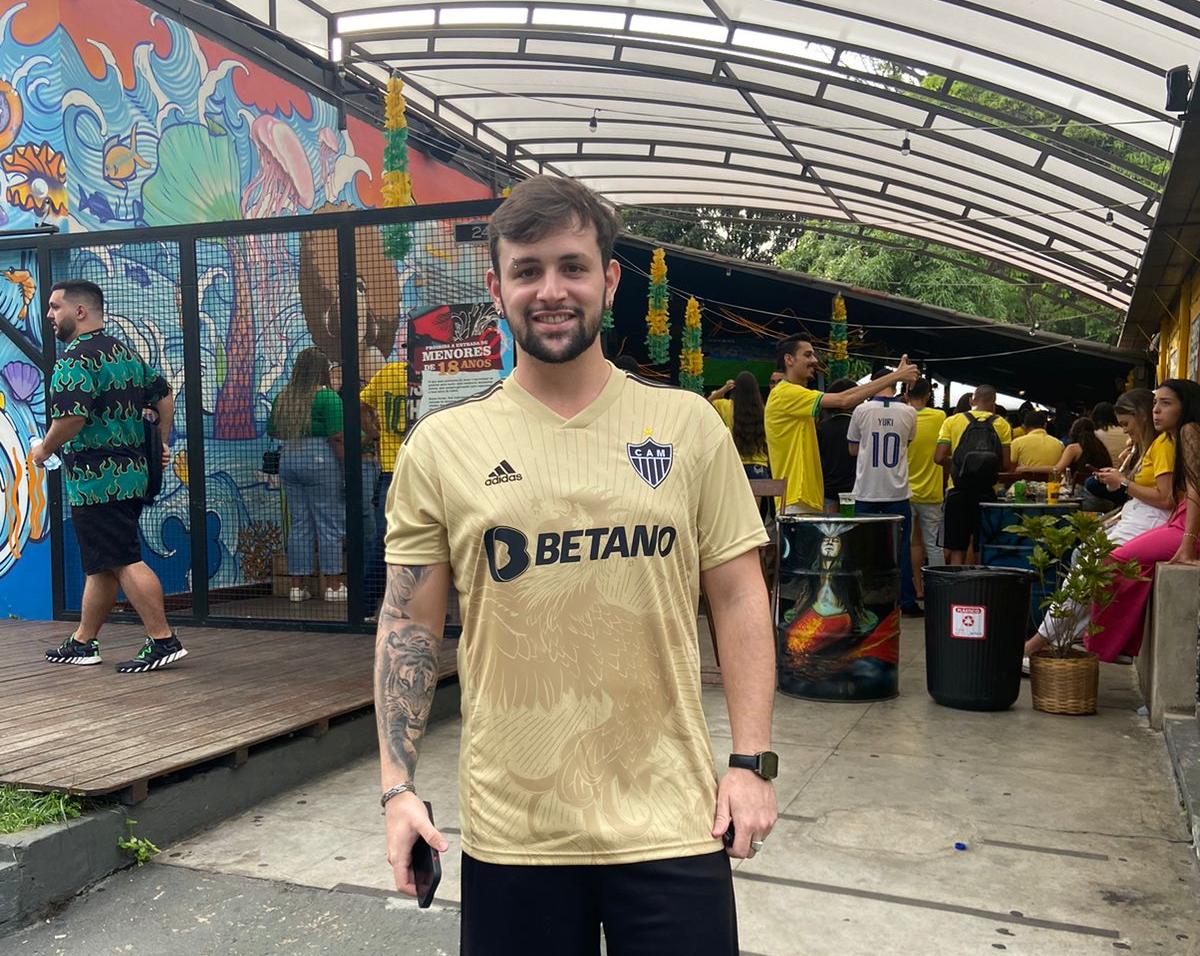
{"x": 594, "y": 123}
{"x": 1108, "y": 217}
{"x": 906, "y": 146}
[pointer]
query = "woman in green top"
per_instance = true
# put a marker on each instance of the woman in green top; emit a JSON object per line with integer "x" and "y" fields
{"x": 307, "y": 418}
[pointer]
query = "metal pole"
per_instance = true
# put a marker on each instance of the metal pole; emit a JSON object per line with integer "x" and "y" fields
{"x": 193, "y": 391}
{"x": 351, "y": 428}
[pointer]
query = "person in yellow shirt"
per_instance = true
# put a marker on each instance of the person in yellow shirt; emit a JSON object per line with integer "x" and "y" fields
{"x": 973, "y": 474}
{"x": 1035, "y": 451}
{"x": 742, "y": 413}
{"x": 926, "y": 479}
{"x": 386, "y": 395}
{"x": 790, "y": 420}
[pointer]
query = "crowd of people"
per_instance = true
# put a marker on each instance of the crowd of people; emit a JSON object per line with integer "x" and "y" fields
{"x": 898, "y": 454}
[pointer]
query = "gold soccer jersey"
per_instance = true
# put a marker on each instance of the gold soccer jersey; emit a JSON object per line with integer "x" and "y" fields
{"x": 576, "y": 547}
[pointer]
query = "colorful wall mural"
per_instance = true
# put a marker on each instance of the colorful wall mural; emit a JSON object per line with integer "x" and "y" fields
{"x": 113, "y": 116}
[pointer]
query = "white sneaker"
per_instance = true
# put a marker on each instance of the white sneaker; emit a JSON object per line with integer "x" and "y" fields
{"x": 338, "y": 594}
{"x": 298, "y": 595}
{"x": 1024, "y": 666}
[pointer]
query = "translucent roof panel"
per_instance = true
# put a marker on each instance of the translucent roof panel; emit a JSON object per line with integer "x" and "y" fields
{"x": 1031, "y": 134}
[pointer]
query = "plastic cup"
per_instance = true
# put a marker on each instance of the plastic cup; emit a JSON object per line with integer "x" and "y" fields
{"x": 846, "y": 505}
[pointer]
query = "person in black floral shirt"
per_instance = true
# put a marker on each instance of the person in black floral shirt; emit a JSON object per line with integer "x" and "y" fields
{"x": 98, "y": 392}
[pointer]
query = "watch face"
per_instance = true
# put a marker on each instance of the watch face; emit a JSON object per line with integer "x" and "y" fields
{"x": 768, "y": 765}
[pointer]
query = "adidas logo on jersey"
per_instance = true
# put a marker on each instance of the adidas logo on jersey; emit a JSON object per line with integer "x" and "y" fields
{"x": 501, "y": 473}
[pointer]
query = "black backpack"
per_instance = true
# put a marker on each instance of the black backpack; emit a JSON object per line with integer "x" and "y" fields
{"x": 976, "y": 461}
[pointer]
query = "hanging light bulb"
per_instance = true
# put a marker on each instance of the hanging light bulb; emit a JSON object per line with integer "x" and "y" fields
{"x": 1108, "y": 217}
{"x": 906, "y": 146}
{"x": 594, "y": 123}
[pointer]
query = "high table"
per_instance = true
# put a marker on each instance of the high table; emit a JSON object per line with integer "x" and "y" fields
{"x": 837, "y": 617}
{"x": 1003, "y": 549}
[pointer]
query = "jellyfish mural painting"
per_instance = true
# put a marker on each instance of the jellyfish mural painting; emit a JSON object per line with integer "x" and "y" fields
{"x": 284, "y": 183}
{"x": 838, "y": 627}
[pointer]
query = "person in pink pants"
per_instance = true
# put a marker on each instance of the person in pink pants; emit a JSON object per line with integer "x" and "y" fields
{"x": 1121, "y": 623}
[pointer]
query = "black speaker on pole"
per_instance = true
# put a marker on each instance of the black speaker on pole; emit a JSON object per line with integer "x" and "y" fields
{"x": 1179, "y": 88}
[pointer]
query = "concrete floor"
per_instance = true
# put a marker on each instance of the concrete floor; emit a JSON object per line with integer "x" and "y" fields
{"x": 1075, "y": 838}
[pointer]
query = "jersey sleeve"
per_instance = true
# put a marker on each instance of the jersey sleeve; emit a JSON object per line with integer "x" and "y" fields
{"x": 416, "y": 515}
{"x": 945, "y": 435}
{"x": 798, "y": 401}
{"x": 1004, "y": 430}
{"x": 1162, "y": 457}
{"x": 728, "y": 521}
{"x": 73, "y": 388}
{"x": 854, "y": 429}
{"x": 724, "y": 407}
{"x": 912, "y": 426}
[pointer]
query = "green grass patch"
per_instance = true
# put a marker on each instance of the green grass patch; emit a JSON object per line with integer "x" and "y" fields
{"x": 25, "y": 809}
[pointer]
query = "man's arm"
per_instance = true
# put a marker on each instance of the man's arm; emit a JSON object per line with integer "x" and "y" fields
{"x": 737, "y": 596}
{"x": 165, "y": 408}
{"x": 62, "y": 430}
{"x": 941, "y": 454}
{"x": 860, "y": 393}
{"x": 406, "y": 665}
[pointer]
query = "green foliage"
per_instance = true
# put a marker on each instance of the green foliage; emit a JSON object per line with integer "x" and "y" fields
{"x": 755, "y": 235}
{"x": 1084, "y": 582}
{"x": 26, "y": 809}
{"x": 141, "y": 849}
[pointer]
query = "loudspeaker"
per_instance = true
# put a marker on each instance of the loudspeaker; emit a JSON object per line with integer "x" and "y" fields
{"x": 1179, "y": 87}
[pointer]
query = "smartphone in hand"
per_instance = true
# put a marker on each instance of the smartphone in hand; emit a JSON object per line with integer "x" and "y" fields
{"x": 426, "y": 867}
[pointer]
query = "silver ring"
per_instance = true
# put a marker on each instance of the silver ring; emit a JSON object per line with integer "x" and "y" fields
{"x": 756, "y": 845}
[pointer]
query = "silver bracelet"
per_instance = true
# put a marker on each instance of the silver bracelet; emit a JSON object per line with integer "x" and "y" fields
{"x": 395, "y": 792}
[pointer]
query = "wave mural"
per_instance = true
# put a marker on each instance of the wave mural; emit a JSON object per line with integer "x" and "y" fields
{"x": 113, "y": 116}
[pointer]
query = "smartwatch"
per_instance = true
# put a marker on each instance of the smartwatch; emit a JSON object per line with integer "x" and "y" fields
{"x": 765, "y": 763}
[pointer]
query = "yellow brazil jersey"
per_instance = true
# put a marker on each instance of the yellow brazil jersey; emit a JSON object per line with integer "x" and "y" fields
{"x": 1036, "y": 449}
{"x": 924, "y": 477}
{"x": 1158, "y": 460}
{"x": 724, "y": 407}
{"x": 791, "y": 423}
{"x": 387, "y": 393}
{"x": 954, "y": 426}
{"x": 576, "y": 547}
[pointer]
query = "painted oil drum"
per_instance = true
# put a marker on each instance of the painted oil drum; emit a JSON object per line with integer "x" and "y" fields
{"x": 837, "y": 617}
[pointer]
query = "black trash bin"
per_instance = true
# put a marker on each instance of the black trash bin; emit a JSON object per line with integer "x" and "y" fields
{"x": 975, "y": 631}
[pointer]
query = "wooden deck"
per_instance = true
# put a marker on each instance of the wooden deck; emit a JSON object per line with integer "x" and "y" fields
{"x": 93, "y": 731}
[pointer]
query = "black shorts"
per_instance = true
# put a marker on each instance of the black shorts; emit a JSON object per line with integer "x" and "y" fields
{"x": 682, "y": 906}
{"x": 960, "y": 522}
{"x": 108, "y": 534}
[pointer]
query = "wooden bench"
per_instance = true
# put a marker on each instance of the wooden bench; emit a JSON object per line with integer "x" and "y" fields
{"x": 1166, "y": 664}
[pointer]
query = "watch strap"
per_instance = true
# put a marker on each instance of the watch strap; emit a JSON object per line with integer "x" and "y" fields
{"x": 744, "y": 762}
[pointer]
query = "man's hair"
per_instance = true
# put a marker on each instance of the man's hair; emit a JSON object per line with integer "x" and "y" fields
{"x": 880, "y": 373}
{"x": 82, "y": 291}
{"x": 1035, "y": 419}
{"x": 787, "y": 346}
{"x": 985, "y": 395}
{"x": 920, "y": 389}
{"x": 544, "y": 205}
{"x": 840, "y": 385}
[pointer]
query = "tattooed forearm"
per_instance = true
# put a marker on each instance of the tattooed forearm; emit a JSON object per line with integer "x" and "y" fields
{"x": 405, "y": 669}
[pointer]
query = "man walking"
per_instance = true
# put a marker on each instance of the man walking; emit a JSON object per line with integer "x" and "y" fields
{"x": 879, "y": 434}
{"x": 791, "y": 420}
{"x": 97, "y": 394}
{"x": 976, "y": 445}
{"x": 578, "y": 511}
{"x": 926, "y": 479}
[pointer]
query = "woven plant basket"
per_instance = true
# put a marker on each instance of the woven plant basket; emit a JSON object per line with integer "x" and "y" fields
{"x": 1065, "y": 685}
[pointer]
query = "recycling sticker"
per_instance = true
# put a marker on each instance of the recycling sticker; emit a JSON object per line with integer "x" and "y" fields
{"x": 968, "y": 622}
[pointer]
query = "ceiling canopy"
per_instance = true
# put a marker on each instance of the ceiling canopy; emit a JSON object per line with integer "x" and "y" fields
{"x": 1030, "y": 133}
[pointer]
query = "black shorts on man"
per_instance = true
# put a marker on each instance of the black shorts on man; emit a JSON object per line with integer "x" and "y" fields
{"x": 108, "y": 534}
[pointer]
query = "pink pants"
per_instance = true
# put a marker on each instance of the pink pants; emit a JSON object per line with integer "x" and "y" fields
{"x": 1123, "y": 621}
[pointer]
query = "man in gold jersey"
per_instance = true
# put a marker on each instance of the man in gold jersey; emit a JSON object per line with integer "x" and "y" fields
{"x": 791, "y": 420}
{"x": 578, "y": 510}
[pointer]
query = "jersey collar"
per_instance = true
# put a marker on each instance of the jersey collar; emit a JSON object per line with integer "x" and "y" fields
{"x": 600, "y": 404}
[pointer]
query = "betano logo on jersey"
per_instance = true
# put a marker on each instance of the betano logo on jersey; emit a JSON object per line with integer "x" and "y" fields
{"x": 509, "y": 556}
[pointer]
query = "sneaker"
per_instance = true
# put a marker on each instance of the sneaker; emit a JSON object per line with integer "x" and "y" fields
{"x": 72, "y": 651}
{"x": 1123, "y": 659}
{"x": 298, "y": 595}
{"x": 153, "y": 655}
{"x": 1024, "y": 666}
{"x": 337, "y": 594}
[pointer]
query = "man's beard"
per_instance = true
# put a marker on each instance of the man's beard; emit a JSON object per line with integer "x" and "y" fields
{"x": 580, "y": 339}
{"x": 65, "y": 330}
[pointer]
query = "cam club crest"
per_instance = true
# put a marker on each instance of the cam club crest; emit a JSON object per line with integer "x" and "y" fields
{"x": 651, "y": 461}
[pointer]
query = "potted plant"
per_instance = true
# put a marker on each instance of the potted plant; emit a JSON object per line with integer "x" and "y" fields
{"x": 1072, "y": 555}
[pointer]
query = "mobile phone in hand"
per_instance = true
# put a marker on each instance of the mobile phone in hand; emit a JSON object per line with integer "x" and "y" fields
{"x": 426, "y": 867}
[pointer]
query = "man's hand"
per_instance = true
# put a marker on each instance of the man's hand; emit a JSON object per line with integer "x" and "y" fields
{"x": 906, "y": 372}
{"x": 38, "y": 454}
{"x": 166, "y": 456}
{"x": 406, "y": 820}
{"x": 747, "y": 800}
